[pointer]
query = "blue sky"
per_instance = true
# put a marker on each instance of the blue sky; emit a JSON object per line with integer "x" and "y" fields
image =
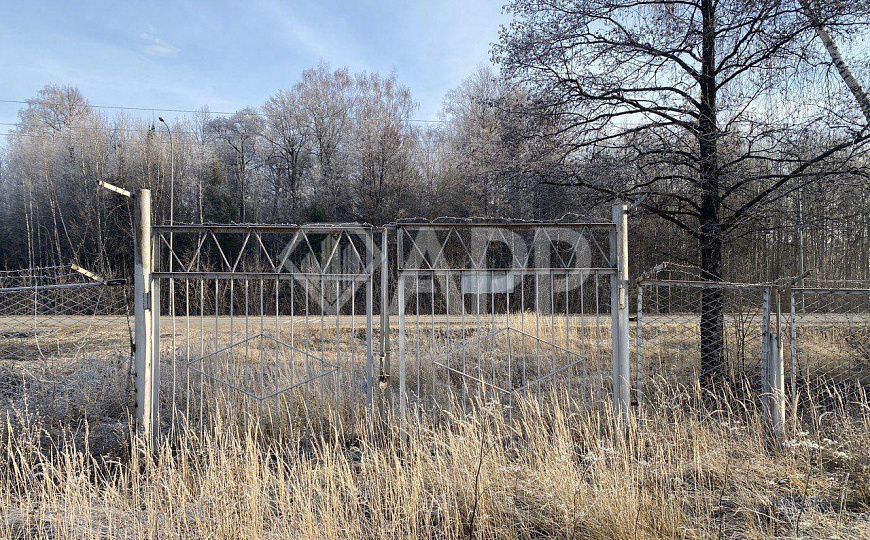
{"x": 228, "y": 55}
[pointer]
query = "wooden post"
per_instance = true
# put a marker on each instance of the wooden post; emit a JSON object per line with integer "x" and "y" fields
{"x": 146, "y": 382}
{"x": 619, "y": 311}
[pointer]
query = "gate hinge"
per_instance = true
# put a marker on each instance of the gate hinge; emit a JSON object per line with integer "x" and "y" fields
{"x": 146, "y": 299}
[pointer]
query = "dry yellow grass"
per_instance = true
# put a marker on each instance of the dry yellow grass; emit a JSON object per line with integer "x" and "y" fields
{"x": 686, "y": 471}
{"x": 688, "y": 468}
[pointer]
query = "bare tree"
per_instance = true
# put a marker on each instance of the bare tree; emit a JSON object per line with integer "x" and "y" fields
{"x": 382, "y": 164}
{"x": 700, "y": 101}
{"x": 326, "y": 99}
{"x": 500, "y": 152}
{"x": 816, "y": 16}
{"x": 239, "y": 135}
{"x": 53, "y": 172}
{"x": 289, "y": 148}
{"x": 204, "y": 154}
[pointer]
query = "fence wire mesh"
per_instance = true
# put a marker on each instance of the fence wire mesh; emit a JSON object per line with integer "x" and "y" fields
{"x": 689, "y": 330}
{"x": 65, "y": 342}
{"x": 830, "y": 344}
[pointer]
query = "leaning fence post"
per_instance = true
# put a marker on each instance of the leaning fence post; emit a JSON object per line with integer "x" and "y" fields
{"x": 146, "y": 383}
{"x": 619, "y": 311}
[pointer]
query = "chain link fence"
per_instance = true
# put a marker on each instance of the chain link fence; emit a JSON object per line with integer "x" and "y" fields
{"x": 65, "y": 343}
{"x": 694, "y": 333}
{"x": 830, "y": 344}
{"x": 691, "y": 330}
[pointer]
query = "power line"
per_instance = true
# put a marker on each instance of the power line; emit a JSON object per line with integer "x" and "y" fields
{"x": 107, "y": 129}
{"x": 475, "y": 145}
{"x": 193, "y": 111}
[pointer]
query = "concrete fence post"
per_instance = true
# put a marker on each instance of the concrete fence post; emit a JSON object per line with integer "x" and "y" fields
{"x": 143, "y": 305}
{"x": 773, "y": 371}
{"x": 776, "y": 387}
{"x": 619, "y": 311}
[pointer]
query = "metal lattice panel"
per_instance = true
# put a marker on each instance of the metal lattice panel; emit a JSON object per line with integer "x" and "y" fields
{"x": 267, "y": 323}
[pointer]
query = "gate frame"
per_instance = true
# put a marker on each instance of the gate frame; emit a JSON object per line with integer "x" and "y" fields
{"x": 618, "y": 258}
{"x": 619, "y": 311}
{"x": 147, "y": 311}
{"x": 145, "y": 368}
{"x": 147, "y": 296}
{"x": 349, "y": 229}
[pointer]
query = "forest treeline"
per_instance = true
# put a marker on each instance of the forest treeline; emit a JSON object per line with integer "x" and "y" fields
{"x": 336, "y": 147}
{"x": 732, "y": 138}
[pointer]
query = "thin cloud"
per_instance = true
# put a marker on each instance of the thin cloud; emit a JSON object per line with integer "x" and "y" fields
{"x": 158, "y": 47}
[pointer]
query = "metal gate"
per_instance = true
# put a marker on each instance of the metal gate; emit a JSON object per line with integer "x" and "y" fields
{"x": 262, "y": 323}
{"x": 272, "y": 324}
{"x": 489, "y": 312}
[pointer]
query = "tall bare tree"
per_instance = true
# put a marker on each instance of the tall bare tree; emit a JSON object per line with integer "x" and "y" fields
{"x": 289, "y": 148}
{"x": 500, "y": 153}
{"x": 239, "y": 136}
{"x": 326, "y": 99}
{"x": 700, "y": 101}
{"x": 382, "y": 145}
{"x": 816, "y": 15}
